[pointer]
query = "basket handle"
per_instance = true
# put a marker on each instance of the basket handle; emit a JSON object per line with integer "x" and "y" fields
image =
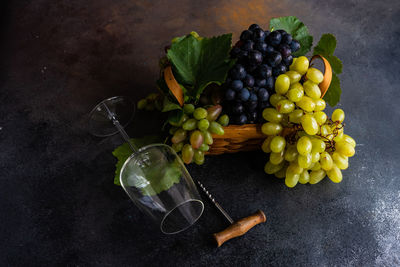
{"x": 173, "y": 85}
{"x": 326, "y": 82}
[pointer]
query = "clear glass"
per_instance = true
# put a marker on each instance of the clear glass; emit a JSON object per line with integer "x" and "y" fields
{"x": 157, "y": 181}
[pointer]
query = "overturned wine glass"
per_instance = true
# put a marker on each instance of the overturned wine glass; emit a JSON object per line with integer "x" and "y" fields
{"x": 154, "y": 176}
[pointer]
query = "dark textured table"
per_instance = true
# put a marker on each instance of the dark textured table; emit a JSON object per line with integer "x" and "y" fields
{"x": 58, "y": 204}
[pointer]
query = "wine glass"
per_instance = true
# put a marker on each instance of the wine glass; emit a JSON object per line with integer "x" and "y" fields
{"x": 154, "y": 176}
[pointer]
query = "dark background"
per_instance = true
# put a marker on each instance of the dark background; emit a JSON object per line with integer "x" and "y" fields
{"x": 58, "y": 204}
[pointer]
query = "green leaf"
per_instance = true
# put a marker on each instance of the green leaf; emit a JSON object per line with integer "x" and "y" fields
{"x": 326, "y": 45}
{"x": 198, "y": 62}
{"x": 168, "y": 105}
{"x": 158, "y": 178}
{"x": 298, "y": 31}
{"x": 332, "y": 96}
{"x": 175, "y": 116}
{"x": 335, "y": 63}
{"x": 124, "y": 151}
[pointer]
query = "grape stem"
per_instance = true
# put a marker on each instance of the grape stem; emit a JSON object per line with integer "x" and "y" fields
{"x": 291, "y": 134}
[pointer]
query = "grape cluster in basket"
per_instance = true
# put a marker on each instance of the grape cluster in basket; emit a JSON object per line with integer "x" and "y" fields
{"x": 304, "y": 144}
{"x": 261, "y": 57}
{"x": 191, "y": 136}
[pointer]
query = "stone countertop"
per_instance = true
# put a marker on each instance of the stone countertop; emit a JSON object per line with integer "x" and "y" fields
{"x": 58, "y": 202}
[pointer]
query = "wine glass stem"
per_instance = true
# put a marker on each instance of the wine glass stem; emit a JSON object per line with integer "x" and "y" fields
{"x": 121, "y": 130}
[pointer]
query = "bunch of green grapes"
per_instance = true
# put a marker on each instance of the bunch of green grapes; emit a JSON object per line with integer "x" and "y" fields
{"x": 151, "y": 102}
{"x": 192, "y": 135}
{"x": 304, "y": 144}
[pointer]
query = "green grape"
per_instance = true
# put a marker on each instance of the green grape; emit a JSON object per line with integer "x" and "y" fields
{"x": 291, "y": 153}
{"x": 270, "y": 168}
{"x": 187, "y": 153}
{"x": 300, "y": 65}
{"x": 190, "y": 125}
{"x": 216, "y": 128}
{"x": 200, "y": 113}
{"x": 326, "y": 161}
{"x": 312, "y": 90}
{"x": 317, "y": 176}
{"x": 208, "y": 138}
{"x": 224, "y": 120}
{"x": 271, "y": 128}
{"x": 282, "y": 84}
{"x": 304, "y": 161}
{"x": 214, "y": 112}
{"x": 275, "y": 98}
{"x": 315, "y": 156}
{"x": 142, "y": 103}
{"x": 320, "y": 117}
{"x": 344, "y": 148}
{"x": 180, "y": 122}
{"x": 294, "y": 76}
{"x": 306, "y": 103}
{"x": 295, "y": 94}
{"x": 309, "y": 124}
{"x": 338, "y": 115}
{"x": 304, "y": 145}
{"x": 204, "y": 147}
{"x": 196, "y": 139}
{"x": 339, "y": 136}
{"x": 349, "y": 139}
{"x": 295, "y": 115}
{"x": 266, "y": 144}
{"x": 325, "y": 130}
{"x": 342, "y": 162}
{"x": 195, "y": 35}
{"x": 172, "y": 130}
{"x": 304, "y": 177}
{"x": 278, "y": 144}
{"x": 315, "y": 75}
{"x": 276, "y": 158}
{"x": 177, "y": 147}
{"x": 294, "y": 60}
{"x": 203, "y": 124}
{"x": 272, "y": 115}
{"x": 295, "y": 168}
{"x": 315, "y": 166}
{"x": 179, "y": 136}
{"x": 188, "y": 108}
{"x": 319, "y": 104}
{"x": 198, "y": 157}
{"x": 291, "y": 178}
{"x": 281, "y": 173}
{"x": 285, "y": 106}
{"x": 298, "y": 86}
{"x": 318, "y": 145}
{"x": 335, "y": 174}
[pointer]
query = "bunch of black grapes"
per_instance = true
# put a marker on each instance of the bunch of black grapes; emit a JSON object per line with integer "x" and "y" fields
{"x": 261, "y": 57}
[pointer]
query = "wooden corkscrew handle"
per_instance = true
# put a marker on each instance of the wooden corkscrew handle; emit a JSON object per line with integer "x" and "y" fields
{"x": 240, "y": 227}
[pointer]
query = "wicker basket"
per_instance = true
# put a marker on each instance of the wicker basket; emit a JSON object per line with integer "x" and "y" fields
{"x": 247, "y": 137}
{"x": 237, "y": 138}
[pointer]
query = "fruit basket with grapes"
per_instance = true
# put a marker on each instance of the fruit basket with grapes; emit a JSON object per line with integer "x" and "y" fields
{"x": 260, "y": 93}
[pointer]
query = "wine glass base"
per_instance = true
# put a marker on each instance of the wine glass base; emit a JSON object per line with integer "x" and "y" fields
{"x": 101, "y": 117}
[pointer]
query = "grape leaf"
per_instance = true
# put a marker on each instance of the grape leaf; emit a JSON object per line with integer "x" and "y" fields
{"x": 332, "y": 96}
{"x": 198, "y": 62}
{"x": 326, "y": 45}
{"x": 168, "y": 105}
{"x": 175, "y": 116}
{"x": 298, "y": 31}
{"x": 124, "y": 151}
